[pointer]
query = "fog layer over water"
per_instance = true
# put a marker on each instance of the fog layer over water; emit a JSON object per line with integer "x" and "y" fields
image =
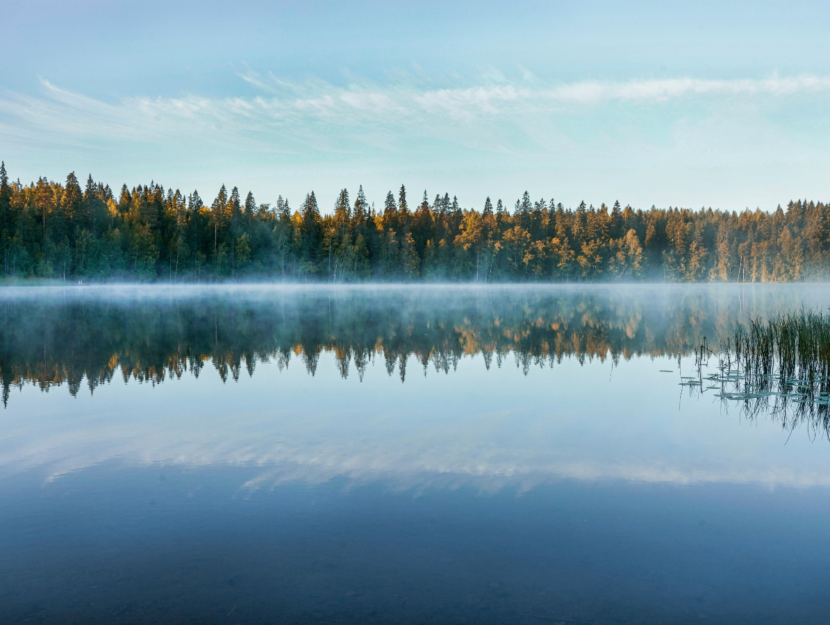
{"x": 53, "y": 336}
{"x": 378, "y": 454}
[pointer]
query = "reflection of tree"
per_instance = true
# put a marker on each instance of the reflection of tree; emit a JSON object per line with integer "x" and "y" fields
{"x": 51, "y": 340}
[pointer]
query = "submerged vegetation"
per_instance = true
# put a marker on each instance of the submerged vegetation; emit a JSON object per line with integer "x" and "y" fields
{"x": 51, "y": 230}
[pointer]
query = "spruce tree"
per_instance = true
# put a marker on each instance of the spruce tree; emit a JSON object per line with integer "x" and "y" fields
{"x": 311, "y": 231}
{"x": 72, "y": 203}
{"x": 361, "y": 206}
{"x": 390, "y": 211}
{"x": 250, "y": 205}
{"x": 402, "y": 206}
{"x": 92, "y": 200}
{"x": 445, "y": 204}
{"x": 342, "y": 210}
{"x": 488, "y": 207}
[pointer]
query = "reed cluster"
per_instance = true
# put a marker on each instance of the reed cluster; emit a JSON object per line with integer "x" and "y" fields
{"x": 793, "y": 348}
{"x": 779, "y": 365}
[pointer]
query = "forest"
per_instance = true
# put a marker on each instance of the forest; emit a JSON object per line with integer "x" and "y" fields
{"x": 62, "y": 231}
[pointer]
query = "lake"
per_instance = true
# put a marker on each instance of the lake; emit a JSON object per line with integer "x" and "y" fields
{"x": 378, "y": 454}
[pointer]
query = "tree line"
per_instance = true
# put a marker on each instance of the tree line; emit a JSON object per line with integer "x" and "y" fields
{"x": 52, "y": 230}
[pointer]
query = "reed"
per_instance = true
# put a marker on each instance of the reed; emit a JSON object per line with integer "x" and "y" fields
{"x": 780, "y": 365}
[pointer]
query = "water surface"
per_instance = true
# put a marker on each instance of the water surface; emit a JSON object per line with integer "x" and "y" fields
{"x": 442, "y": 454}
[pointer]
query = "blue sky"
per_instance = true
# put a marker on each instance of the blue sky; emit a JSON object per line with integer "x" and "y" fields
{"x": 721, "y": 104}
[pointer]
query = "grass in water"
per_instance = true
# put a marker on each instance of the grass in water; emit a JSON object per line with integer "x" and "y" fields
{"x": 781, "y": 365}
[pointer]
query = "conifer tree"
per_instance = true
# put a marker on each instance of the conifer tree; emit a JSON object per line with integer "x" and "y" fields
{"x": 217, "y": 212}
{"x": 5, "y": 207}
{"x": 72, "y": 205}
{"x": 250, "y": 207}
{"x": 403, "y": 208}
{"x": 488, "y": 207}
{"x": 390, "y": 209}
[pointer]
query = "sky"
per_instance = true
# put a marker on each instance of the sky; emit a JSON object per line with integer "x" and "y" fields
{"x": 717, "y": 104}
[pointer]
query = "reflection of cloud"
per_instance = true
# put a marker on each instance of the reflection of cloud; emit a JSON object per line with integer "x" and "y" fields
{"x": 526, "y": 480}
{"x": 446, "y": 456}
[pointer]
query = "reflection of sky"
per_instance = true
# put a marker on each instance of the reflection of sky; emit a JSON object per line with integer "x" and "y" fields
{"x": 484, "y": 428}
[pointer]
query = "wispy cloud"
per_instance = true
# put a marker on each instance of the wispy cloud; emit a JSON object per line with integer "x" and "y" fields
{"x": 522, "y": 130}
{"x": 288, "y": 112}
{"x": 465, "y": 104}
{"x": 674, "y": 88}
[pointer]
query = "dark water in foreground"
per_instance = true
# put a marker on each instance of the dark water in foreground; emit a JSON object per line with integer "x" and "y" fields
{"x": 439, "y": 455}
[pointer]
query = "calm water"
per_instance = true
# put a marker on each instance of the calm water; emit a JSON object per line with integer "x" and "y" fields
{"x": 374, "y": 455}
